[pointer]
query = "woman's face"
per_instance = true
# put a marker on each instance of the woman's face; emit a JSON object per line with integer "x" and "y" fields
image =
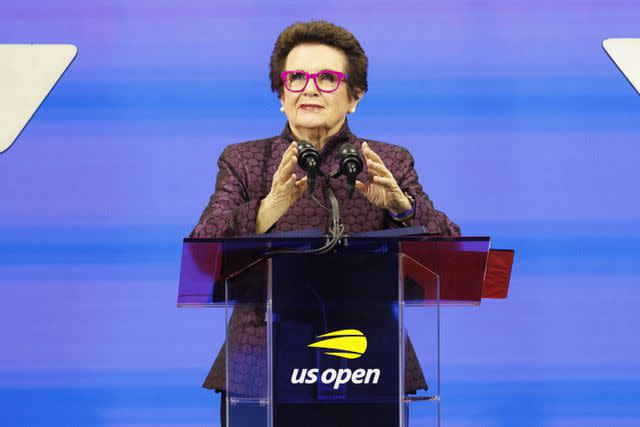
{"x": 312, "y": 110}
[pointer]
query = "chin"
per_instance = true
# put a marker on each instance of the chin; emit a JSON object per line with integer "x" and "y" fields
{"x": 310, "y": 123}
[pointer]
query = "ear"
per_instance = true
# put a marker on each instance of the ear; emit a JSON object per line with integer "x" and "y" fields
{"x": 354, "y": 101}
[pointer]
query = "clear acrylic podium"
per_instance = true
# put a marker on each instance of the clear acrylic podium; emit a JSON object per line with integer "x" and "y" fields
{"x": 346, "y": 338}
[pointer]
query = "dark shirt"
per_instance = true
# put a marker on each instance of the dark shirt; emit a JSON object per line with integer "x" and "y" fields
{"x": 246, "y": 171}
{"x": 244, "y": 179}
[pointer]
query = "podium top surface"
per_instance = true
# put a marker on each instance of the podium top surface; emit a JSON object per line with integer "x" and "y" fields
{"x": 418, "y": 233}
{"x": 459, "y": 264}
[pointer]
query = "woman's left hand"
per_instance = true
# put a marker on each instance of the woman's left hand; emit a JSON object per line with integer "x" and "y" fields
{"x": 382, "y": 190}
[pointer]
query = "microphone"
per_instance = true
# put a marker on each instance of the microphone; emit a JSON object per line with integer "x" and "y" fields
{"x": 309, "y": 161}
{"x": 350, "y": 166}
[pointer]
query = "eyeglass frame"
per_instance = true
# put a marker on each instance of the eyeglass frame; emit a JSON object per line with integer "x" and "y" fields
{"x": 309, "y": 76}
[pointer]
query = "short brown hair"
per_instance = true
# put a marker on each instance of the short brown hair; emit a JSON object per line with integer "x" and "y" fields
{"x": 320, "y": 32}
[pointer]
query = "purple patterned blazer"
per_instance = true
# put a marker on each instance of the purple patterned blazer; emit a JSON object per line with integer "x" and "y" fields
{"x": 244, "y": 179}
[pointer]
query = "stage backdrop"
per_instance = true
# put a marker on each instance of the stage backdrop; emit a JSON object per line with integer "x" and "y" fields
{"x": 521, "y": 128}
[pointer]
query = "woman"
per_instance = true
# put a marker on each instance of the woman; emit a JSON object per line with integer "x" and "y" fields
{"x": 319, "y": 71}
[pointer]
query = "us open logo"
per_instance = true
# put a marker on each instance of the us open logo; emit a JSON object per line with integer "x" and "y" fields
{"x": 347, "y": 344}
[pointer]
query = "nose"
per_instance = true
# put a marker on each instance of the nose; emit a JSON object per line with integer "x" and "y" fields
{"x": 311, "y": 88}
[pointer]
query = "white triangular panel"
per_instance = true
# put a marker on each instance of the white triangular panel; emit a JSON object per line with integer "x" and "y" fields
{"x": 27, "y": 75}
{"x": 626, "y": 55}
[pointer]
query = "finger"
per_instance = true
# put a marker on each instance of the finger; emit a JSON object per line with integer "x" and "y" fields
{"x": 287, "y": 169}
{"x": 286, "y": 157}
{"x": 289, "y": 149}
{"x": 284, "y": 173}
{"x": 293, "y": 145}
{"x": 375, "y": 168}
{"x": 388, "y": 183}
{"x": 301, "y": 184}
{"x": 369, "y": 153}
{"x": 301, "y": 187}
{"x": 290, "y": 183}
{"x": 361, "y": 186}
{"x": 283, "y": 162}
{"x": 292, "y": 148}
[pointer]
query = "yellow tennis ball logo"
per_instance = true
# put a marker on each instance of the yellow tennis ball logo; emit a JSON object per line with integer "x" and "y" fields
{"x": 346, "y": 343}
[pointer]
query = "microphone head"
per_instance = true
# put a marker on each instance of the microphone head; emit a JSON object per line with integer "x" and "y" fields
{"x": 350, "y": 162}
{"x": 308, "y": 157}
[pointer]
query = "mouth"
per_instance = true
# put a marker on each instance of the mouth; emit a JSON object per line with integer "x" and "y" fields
{"x": 310, "y": 107}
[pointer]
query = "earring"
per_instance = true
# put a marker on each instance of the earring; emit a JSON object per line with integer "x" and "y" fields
{"x": 353, "y": 110}
{"x": 282, "y": 109}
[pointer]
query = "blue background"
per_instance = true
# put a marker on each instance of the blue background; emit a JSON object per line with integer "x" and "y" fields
{"x": 521, "y": 127}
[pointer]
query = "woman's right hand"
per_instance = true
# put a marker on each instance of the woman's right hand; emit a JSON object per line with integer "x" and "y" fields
{"x": 286, "y": 189}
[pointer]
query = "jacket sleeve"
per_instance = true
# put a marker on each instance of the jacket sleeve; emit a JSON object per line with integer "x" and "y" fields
{"x": 231, "y": 211}
{"x": 426, "y": 215}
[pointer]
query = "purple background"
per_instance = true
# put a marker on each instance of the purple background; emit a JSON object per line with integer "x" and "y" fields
{"x": 521, "y": 127}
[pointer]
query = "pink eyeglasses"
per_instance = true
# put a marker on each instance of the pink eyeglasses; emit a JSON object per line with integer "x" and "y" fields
{"x": 325, "y": 80}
